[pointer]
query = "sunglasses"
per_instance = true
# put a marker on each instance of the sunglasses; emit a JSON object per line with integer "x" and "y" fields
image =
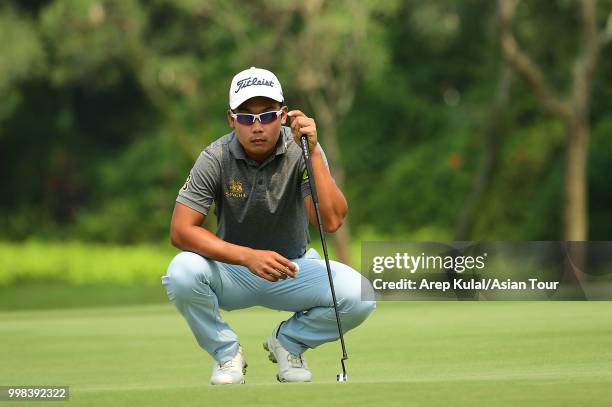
{"x": 248, "y": 119}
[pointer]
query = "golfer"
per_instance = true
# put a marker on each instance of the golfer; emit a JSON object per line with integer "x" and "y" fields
{"x": 256, "y": 177}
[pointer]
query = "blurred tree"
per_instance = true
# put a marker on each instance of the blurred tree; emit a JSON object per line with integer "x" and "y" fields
{"x": 573, "y": 109}
{"x": 413, "y": 141}
{"x": 21, "y": 56}
{"x": 107, "y": 103}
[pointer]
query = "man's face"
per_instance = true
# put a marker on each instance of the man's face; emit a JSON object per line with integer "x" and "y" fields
{"x": 258, "y": 140}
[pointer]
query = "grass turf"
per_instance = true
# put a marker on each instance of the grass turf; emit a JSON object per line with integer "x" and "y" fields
{"x": 406, "y": 354}
{"x": 53, "y": 295}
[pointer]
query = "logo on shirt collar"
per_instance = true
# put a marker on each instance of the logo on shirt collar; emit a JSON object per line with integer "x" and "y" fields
{"x": 235, "y": 190}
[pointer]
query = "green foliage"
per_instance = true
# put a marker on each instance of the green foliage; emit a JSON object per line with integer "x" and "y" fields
{"x": 21, "y": 56}
{"x": 91, "y": 39}
{"x": 107, "y": 103}
{"x": 135, "y": 194}
{"x": 77, "y": 263}
{"x": 530, "y": 176}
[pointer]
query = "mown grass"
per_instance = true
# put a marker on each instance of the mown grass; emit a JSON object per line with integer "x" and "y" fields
{"x": 407, "y": 354}
{"x": 32, "y": 295}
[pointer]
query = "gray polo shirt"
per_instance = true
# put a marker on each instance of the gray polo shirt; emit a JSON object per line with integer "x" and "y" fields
{"x": 257, "y": 205}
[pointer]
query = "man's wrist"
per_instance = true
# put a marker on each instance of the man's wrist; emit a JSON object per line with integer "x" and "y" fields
{"x": 244, "y": 255}
{"x": 316, "y": 151}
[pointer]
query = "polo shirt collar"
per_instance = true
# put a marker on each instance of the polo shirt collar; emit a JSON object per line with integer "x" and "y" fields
{"x": 236, "y": 148}
{"x": 281, "y": 144}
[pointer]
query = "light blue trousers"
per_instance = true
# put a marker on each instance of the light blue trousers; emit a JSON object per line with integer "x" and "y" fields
{"x": 199, "y": 287}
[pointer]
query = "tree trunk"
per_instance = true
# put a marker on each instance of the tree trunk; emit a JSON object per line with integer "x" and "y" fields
{"x": 575, "y": 213}
{"x": 576, "y": 205}
{"x": 574, "y": 110}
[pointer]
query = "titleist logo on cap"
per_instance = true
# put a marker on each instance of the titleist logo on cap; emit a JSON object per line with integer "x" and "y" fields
{"x": 246, "y": 82}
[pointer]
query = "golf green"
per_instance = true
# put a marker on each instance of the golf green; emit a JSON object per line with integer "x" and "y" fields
{"x": 406, "y": 354}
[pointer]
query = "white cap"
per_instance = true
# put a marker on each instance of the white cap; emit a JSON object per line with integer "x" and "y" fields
{"x": 254, "y": 82}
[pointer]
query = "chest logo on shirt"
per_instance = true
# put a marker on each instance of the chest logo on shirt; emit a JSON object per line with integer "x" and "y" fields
{"x": 235, "y": 190}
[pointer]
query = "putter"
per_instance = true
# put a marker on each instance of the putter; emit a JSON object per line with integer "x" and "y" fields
{"x": 341, "y": 377}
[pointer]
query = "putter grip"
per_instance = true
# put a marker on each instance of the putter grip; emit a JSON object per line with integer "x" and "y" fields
{"x": 306, "y": 154}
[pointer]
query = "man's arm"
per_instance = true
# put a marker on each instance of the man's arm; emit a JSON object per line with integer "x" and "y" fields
{"x": 186, "y": 233}
{"x": 332, "y": 203}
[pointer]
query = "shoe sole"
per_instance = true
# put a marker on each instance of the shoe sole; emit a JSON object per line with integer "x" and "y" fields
{"x": 228, "y": 384}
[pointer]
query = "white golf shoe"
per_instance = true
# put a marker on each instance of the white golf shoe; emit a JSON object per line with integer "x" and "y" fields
{"x": 230, "y": 372}
{"x": 291, "y": 368}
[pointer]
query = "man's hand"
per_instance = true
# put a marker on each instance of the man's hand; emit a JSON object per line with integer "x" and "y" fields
{"x": 269, "y": 265}
{"x": 302, "y": 124}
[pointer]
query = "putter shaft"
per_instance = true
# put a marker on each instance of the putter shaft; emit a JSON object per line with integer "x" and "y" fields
{"x": 315, "y": 201}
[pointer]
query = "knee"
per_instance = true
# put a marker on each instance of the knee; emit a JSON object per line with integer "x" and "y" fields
{"x": 355, "y": 309}
{"x": 356, "y": 301}
{"x": 186, "y": 272}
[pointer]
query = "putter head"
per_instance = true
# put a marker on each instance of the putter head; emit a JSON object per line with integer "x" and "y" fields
{"x": 341, "y": 377}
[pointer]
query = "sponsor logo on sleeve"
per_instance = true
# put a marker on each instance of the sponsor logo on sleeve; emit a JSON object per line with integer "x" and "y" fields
{"x": 186, "y": 186}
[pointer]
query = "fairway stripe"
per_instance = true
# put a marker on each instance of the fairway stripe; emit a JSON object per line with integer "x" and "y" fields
{"x": 542, "y": 378}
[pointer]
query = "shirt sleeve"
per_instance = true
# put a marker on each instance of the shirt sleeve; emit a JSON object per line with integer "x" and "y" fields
{"x": 200, "y": 188}
{"x": 304, "y": 185}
